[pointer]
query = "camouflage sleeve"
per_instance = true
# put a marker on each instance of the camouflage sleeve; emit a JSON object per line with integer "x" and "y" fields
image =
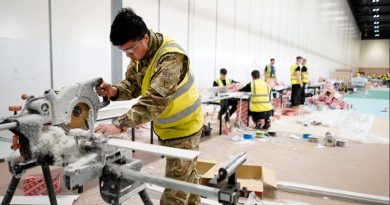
{"x": 128, "y": 88}
{"x": 170, "y": 71}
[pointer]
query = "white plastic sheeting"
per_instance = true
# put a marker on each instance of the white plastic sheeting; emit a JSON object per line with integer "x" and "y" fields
{"x": 350, "y": 125}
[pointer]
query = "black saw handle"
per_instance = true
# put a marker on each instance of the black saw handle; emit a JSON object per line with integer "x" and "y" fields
{"x": 106, "y": 99}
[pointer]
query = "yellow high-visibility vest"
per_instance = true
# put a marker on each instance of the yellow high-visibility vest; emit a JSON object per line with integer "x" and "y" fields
{"x": 305, "y": 75}
{"x": 260, "y": 101}
{"x": 220, "y": 83}
{"x": 183, "y": 116}
{"x": 268, "y": 73}
{"x": 294, "y": 79}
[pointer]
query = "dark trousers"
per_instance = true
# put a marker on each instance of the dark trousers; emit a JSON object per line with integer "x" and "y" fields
{"x": 257, "y": 116}
{"x": 296, "y": 94}
{"x": 303, "y": 94}
{"x": 225, "y": 104}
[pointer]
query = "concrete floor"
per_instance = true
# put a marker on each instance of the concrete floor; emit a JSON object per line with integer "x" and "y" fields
{"x": 359, "y": 167}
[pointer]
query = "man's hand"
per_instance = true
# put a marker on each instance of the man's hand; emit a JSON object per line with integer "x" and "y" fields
{"x": 108, "y": 129}
{"x": 301, "y": 85}
{"x": 106, "y": 90}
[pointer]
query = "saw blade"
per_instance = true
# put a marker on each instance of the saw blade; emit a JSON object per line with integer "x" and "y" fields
{"x": 79, "y": 118}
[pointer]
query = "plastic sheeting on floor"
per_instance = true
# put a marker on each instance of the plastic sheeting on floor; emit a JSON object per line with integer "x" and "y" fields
{"x": 350, "y": 125}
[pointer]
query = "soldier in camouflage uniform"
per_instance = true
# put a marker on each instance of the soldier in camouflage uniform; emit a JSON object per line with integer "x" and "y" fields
{"x": 159, "y": 72}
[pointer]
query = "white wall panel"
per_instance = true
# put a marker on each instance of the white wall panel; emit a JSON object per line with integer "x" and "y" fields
{"x": 202, "y": 41}
{"x": 266, "y": 37}
{"x": 24, "y": 51}
{"x": 241, "y": 66}
{"x": 81, "y": 43}
{"x": 255, "y": 36}
{"x": 225, "y": 37}
{"x": 375, "y": 54}
{"x": 174, "y": 20}
{"x": 240, "y": 35}
{"x": 147, "y": 9}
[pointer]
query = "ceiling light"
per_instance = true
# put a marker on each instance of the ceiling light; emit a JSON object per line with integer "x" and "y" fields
{"x": 376, "y": 31}
{"x": 376, "y": 15}
{"x": 376, "y": 27}
{"x": 376, "y": 22}
{"x": 376, "y": 35}
{"x": 375, "y": 1}
{"x": 375, "y": 10}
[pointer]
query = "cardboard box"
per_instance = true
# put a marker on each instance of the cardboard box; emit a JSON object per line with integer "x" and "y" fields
{"x": 253, "y": 177}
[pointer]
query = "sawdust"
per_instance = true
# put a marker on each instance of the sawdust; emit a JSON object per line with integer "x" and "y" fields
{"x": 86, "y": 161}
{"x": 30, "y": 126}
{"x": 53, "y": 141}
{"x": 13, "y": 157}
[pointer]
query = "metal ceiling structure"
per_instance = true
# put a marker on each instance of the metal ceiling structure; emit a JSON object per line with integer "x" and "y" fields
{"x": 372, "y": 17}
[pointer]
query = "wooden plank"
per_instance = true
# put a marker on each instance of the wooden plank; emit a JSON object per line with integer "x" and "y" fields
{"x": 115, "y": 109}
{"x": 155, "y": 149}
{"x": 348, "y": 70}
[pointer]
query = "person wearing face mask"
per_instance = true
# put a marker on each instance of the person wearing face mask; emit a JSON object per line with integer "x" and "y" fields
{"x": 160, "y": 73}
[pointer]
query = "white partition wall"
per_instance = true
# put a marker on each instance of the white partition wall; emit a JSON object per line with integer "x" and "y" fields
{"x": 81, "y": 43}
{"x": 202, "y": 40}
{"x": 225, "y": 32}
{"x": 240, "y": 35}
{"x": 174, "y": 19}
{"x": 24, "y": 51}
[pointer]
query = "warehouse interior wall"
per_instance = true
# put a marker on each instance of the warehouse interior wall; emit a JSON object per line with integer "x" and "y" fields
{"x": 80, "y": 45}
{"x": 375, "y": 54}
{"x": 240, "y": 35}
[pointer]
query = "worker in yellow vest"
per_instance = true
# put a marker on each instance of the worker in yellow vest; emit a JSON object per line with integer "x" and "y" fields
{"x": 387, "y": 79}
{"x": 160, "y": 73}
{"x": 225, "y": 104}
{"x": 296, "y": 82}
{"x": 260, "y": 101}
{"x": 305, "y": 80}
{"x": 270, "y": 70}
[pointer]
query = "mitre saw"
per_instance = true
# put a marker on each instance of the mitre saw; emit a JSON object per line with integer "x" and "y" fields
{"x": 69, "y": 108}
{"x": 72, "y": 112}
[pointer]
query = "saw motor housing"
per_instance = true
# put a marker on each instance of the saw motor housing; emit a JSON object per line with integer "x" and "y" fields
{"x": 68, "y": 108}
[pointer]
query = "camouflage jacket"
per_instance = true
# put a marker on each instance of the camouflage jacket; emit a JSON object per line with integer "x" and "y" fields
{"x": 170, "y": 71}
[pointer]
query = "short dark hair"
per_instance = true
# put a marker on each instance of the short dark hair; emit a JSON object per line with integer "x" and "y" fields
{"x": 272, "y": 59}
{"x": 127, "y": 26}
{"x": 223, "y": 71}
{"x": 255, "y": 74}
{"x": 299, "y": 57}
